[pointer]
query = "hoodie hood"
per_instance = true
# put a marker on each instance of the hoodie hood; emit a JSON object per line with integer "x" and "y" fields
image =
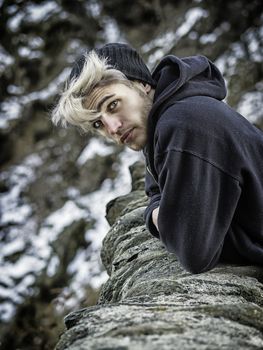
{"x": 190, "y": 76}
{"x": 178, "y": 79}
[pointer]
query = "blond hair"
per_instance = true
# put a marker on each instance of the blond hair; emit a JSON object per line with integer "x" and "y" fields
{"x": 70, "y": 109}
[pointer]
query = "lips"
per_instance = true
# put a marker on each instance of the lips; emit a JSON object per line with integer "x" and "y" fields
{"x": 126, "y": 136}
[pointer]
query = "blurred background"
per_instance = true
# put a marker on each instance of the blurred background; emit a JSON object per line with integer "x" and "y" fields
{"x": 55, "y": 183}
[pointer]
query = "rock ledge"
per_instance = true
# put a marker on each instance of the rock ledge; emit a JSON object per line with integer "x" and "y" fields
{"x": 150, "y": 302}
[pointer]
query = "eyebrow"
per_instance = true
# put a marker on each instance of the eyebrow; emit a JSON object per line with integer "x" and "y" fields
{"x": 103, "y": 100}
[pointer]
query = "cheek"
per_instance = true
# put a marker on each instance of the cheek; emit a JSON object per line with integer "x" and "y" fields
{"x": 101, "y": 133}
{"x": 136, "y": 112}
{"x": 105, "y": 135}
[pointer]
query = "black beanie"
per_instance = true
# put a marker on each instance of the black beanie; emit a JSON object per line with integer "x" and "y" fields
{"x": 121, "y": 57}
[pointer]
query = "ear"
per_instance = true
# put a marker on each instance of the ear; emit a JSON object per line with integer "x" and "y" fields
{"x": 145, "y": 87}
{"x": 148, "y": 88}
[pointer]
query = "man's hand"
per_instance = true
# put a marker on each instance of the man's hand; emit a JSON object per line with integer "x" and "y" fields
{"x": 155, "y": 214}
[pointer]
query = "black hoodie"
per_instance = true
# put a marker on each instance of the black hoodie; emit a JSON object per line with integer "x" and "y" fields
{"x": 205, "y": 169}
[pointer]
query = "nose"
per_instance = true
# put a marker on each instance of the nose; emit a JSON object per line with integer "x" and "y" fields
{"x": 112, "y": 124}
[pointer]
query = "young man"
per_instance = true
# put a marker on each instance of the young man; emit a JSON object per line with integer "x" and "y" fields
{"x": 204, "y": 160}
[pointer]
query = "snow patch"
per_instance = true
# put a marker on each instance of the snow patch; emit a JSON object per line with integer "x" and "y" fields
{"x": 94, "y": 147}
{"x": 165, "y": 42}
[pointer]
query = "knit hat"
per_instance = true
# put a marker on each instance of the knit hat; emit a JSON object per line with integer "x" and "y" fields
{"x": 121, "y": 57}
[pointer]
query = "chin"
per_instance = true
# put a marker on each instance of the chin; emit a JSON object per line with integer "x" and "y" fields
{"x": 139, "y": 143}
{"x": 136, "y": 147}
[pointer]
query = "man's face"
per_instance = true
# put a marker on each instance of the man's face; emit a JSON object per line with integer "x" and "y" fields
{"x": 123, "y": 112}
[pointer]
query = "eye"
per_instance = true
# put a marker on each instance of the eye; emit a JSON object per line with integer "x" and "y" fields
{"x": 112, "y": 105}
{"x": 97, "y": 124}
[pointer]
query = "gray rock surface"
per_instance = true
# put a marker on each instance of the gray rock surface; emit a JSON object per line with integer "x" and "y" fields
{"x": 151, "y": 302}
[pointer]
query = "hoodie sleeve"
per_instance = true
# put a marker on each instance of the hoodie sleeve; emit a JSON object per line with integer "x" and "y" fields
{"x": 197, "y": 204}
{"x": 153, "y": 192}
